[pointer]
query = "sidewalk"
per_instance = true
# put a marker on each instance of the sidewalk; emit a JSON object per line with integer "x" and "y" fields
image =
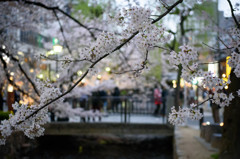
{"x": 188, "y": 145}
{"x": 116, "y": 118}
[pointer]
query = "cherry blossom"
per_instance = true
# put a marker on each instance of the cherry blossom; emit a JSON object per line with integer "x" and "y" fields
{"x": 180, "y": 117}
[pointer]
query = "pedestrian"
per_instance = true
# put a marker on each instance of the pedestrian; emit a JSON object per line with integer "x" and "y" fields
{"x": 1, "y": 98}
{"x": 96, "y": 103}
{"x": 164, "y": 99}
{"x": 191, "y": 96}
{"x": 116, "y": 100}
{"x": 157, "y": 99}
{"x": 103, "y": 95}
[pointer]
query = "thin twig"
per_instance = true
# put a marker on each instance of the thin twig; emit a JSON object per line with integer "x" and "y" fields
{"x": 215, "y": 48}
{"x": 163, "y": 48}
{"x": 203, "y": 102}
{"x": 165, "y": 5}
{"x": 62, "y": 60}
{"x": 61, "y": 29}
{"x": 135, "y": 70}
{"x": 223, "y": 42}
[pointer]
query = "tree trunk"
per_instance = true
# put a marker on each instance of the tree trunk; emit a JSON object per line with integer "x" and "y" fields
{"x": 177, "y": 91}
{"x": 230, "y": 148}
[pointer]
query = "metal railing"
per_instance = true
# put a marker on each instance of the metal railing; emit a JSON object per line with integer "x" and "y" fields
{"x": 123, "y": 105}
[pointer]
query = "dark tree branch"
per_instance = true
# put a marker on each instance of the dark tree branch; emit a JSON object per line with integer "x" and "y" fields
{"x": 61, "y": 29}
{"x": 12, "y": 82}
{"x": 53, "y": 9}
{"x": 223, "y": 42}
{"x": 168, "y": 11}
{"x": 203, "y": 102}
{"x": 22, "y": 70}
{"x": 233, "y": 15}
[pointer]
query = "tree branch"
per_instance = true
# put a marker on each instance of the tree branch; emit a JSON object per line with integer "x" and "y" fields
{"x": 53, "y": 9}
{"x": 60, "y": 60}
{"x": 233, "y": 15}
{"x": 61, "y": 29}
{"x": 11, "y": 82}
{"x": 22, "y": 70}
{"x": 168, "y": 11}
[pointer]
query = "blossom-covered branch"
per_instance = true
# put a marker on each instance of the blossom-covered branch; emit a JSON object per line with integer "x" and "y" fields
{"x": 30, "y": 119}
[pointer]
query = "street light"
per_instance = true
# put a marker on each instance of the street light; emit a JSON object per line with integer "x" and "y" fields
{"x": 40, "y": 76}
{"x": 79, "y": 73}
{"x": 57, "y": 48}
{"x": 108, "y": 69}
{"x": 99, "y": 77}
{"x": 10, "y": 88}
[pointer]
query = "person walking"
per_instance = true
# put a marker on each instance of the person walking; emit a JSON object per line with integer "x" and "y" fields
{"x": 1, "y": 98}
{"x": 116, "y": 100}
{"x": 164, "y": 100}
{"x": 157, "y": 99}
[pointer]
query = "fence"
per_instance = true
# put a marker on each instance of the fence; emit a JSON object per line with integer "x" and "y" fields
{"x": 123, "y": 105}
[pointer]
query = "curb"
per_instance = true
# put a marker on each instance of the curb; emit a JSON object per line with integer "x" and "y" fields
{"x": 178, "y": 153}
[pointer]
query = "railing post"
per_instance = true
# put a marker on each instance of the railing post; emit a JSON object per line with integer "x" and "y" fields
{"x": 125, "y": 111}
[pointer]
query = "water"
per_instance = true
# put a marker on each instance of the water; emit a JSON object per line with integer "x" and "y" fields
{"x": 102, "y": 147}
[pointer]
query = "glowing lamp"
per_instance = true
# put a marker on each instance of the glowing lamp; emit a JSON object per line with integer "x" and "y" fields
{"x": 10, "y": 88}
{"x": 57, "y": 48}
{"x": 108, "y": 69}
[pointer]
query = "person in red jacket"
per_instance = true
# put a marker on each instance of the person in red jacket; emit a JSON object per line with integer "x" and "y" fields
{"x": 157, "y": 99}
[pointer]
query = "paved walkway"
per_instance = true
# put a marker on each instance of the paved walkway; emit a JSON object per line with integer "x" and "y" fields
{"x": 189, "y": 146}
{"x": 116, "y": 118}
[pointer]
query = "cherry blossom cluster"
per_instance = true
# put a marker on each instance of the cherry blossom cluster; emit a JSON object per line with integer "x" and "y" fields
{"x": 235, "y": 39}
{"x": 32, "y": 126}
{"x": 186, "y": 57}
{"x": 190, "y": 70}
{"x": 211, "y": 81}
{"x": 238, "y": 92}
{"x": 24, "y": 118}
{"x": 138, "y": 19}
{"x": 133, "y": 19}
{"x": 234, "y": 62}
{"x": 48, "y": 92}
{"x": 221, "y": 99}
{"x": 93, "y": 71}
{"x": 65, "y": 63}
{"x": 150, "y": 37}
{"x": 180, "y": 117}
{"x": 104, "y": 44}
